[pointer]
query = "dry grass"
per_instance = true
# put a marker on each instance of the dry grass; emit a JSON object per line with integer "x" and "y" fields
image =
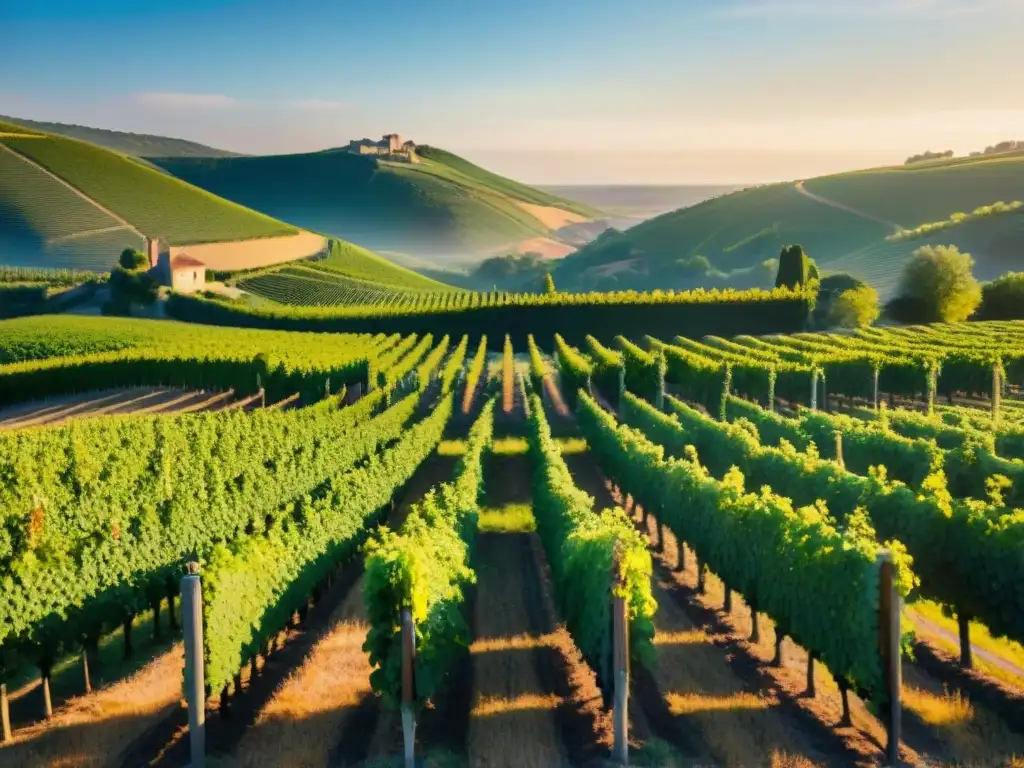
{"x": 93, "y": 730}
{"x": 970, "y": 734}
{"x": 945, "y": 710}
{"x": 692, "y": 703}
{"x": 303, "y": 721}
{"x": 550, "y": 216}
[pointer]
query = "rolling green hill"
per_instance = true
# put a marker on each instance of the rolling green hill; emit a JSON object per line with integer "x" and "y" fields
{"x": 843, "y": 222}
{"x": 65, "y": 203}
{"x": 137, "y": 144}
{"x": 442, "y": 207}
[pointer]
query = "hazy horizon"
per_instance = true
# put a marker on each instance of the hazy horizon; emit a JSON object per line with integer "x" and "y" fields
{"x": 588, "y": 92}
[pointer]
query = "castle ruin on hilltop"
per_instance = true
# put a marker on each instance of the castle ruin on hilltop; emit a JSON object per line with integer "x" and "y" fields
{"x": 391, "y": 147}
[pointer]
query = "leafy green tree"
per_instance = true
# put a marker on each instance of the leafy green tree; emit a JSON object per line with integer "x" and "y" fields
{"x": 1003, "y": 299}
{"x": 132, "y": 259}
{"x": 937, "y": 286}
{"x": 795, "y": 268}
{"x": 855, "y": 308}
{"x": 549, "y": 283}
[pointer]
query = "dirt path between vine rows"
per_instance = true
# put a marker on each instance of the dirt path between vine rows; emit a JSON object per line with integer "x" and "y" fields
{"x": 534, "y": 701}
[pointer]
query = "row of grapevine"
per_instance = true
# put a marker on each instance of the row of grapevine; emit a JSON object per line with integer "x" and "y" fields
{"x": 790, "y": 563}
{"x": 644, "y": 371}
{"x": 630, "y": 313}
{"x": 538, "y": 368}
{"x": 426, "y": 567}
{"x": 930, "y": 360}
{"x": 965, "y": 552}
{"x": 908, "y": 444}
{"x": 593, "y": 555}
{"x": 428, "y": 366}
{"x": 508, "y": 373}
{"x": 608, "y": 371}
{"x": 576, "y": 369}
{"x": 696, "y": 378}
{"x": 99, "y": 515}
{"x": 390, "y": 376}
{"x": 955, "y": 426}
{"x": 88, "y": 359}
{"x": 254, "y": 584}
{"x": 454, "y": 365}
{"x": 473, "y": 374}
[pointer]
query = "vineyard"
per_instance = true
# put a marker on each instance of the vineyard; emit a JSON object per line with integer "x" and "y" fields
{"x": 577, "y": 548}
{"x": 184, "y": 214}
{"x": 497, "y": 314}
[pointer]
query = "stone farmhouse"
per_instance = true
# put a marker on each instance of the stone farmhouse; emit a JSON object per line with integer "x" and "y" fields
{"x": 391, "y": 147}
{"x": 180, "y": 272}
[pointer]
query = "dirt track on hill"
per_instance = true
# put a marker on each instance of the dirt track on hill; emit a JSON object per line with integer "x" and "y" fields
{"x": 123, "y": 222}
{"x": 256, "y": 252}
{"x": 799, "y": 186}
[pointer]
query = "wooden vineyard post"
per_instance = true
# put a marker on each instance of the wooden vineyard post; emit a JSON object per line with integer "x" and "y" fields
{"x": 889, "y": 646}
{"x": 839, "y": 449}
{"x": 997, "y": 394}
{"x": 85, "y": 670}
{"x": 620, "y": 657}
{"x": 622, "y": 391}
{"x": 5, "y": 714}
{"x": 877, "y": 374}
{"x": 814, "y": 391}
{"x": 195, "y": 676}
{"x": 409, "y": 687}
{"x": 933, "y": 383}
{"x": 662, "y": 369}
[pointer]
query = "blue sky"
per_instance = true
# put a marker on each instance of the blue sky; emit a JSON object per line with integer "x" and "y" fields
{"x": 549, "y": 91}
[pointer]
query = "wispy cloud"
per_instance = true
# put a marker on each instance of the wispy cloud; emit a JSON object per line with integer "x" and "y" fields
{"x": 177, "y": 101}
{"x": 888, "y": 8}
{"x": 180, "y": 102}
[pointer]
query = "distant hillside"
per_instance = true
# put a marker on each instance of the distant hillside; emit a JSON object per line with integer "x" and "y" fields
{"x": 137, "y": 144}
{"x": 843, "y": 222}
{"x": 66, "y": 203}
{"x": 442, "y": 208}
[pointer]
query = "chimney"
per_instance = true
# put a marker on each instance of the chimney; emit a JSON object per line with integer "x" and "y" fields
{"x": 153, "y": 251}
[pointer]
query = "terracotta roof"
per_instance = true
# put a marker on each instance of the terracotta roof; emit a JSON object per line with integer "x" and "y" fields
{"x": 183, "y": 260}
